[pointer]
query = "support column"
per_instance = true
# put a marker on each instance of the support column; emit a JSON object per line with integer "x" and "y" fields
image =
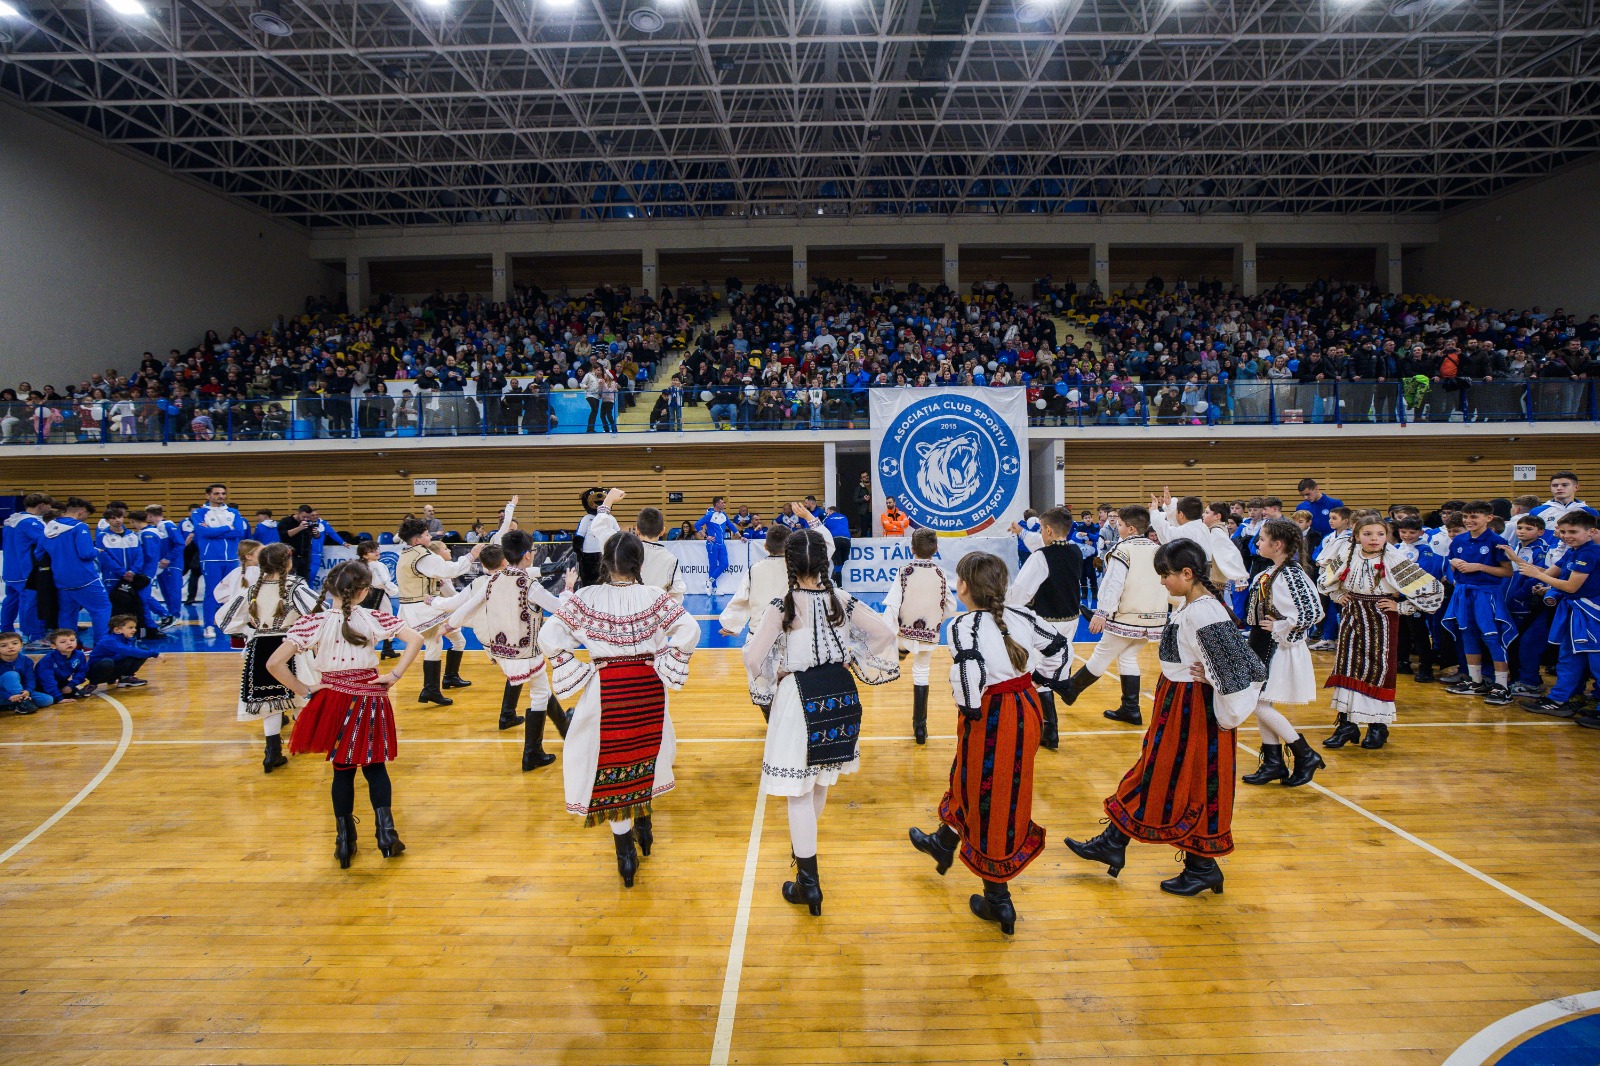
{"x": 1047, "y": 474}
{"x": 1244, "y": 268}
{"x": 1102, "y": 267}
{"x": 500, "y": 273}
{"x": 1391, "y": 277}
{"x": 801, "y": 282}
{"x": 651, "y": 263}
{"x": 952, "y": 266}
{"x": 357, "y": 284}
{"x": 830, "y": 474}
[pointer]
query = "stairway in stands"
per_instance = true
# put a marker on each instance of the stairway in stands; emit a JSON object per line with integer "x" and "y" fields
{"x": 637, "y": 418}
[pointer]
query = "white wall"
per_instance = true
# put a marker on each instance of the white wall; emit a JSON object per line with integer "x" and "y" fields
{"x": 103, "y": 257}
{"x": 1537, "y": 244}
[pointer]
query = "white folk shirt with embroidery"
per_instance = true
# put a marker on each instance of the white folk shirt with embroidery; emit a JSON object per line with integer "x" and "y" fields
{"x": 320, "y": 638}
{"x": 866, "y": 639}
{"x": 925, "y": 603}
{"x": 617, "y": 622}
{"x": 1231, "y": 708}
{"x": 1025, "y": 628}
{"x": 466, "y": 607}
{"x": 660, "y": 566}
{"x": 234, "y": 619}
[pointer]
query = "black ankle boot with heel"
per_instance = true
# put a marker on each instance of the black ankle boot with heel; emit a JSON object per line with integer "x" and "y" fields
{"x": 806, "y": 889}
{"x": 274, "y": 756}
{"x": 1110, "y": 847}
{"x": 941, "y": 845}
{"x": 344, "y": 839}
{"x": 1344, "y": 732}
{"x": 1306, "y": 763}
{"x": 1199, "y": 874}
{"x": 644, "y": 831}
{"x": 995, "y": 906}
{"x": 627, "y": 858}
{"x": 1272, "y": 767}
{"x": 389, "y": 844}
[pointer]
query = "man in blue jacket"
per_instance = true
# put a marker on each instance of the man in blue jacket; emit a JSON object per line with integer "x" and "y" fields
{"x": 837, "y": 524}
{"x": 122, "y": 566}
{"x": 169, "y": 567}
{"x": 218, "y": 529}
{"x": 24, "y": 530}
{"x": 75, "y": 564}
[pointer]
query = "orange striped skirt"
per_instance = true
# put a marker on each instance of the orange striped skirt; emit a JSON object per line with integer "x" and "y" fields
{"x": 1180, "y": 792}
{"x": 990, "y": 801}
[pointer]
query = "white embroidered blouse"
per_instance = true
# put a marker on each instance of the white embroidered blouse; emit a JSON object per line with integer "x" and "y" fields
{"x": 618, "y": 622}
{"x": 320, "y": 637}
{"x": 978, "y": 651}
{"x": 1203, "y": 632}
{"x": 865, "y": 642}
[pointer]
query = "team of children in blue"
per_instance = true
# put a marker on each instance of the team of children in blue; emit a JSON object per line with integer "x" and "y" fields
{"x": 1517, "y": 600}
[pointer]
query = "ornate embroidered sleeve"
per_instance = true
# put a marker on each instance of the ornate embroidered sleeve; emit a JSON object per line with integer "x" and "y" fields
{"x": 1329, "y": 582}
{"x": 763, "y": 654}
{"x": 968, "y": 672}
{"x": 303, "y": 634}
{"x": 1111, "y": 584}
{"x": 1301, "y": 607}
{"x": 1422, "y": 591}
{"x": 1233, "y": 670}
{"x": 304, "y": 598}
{"x": 870, "y": 640}
{"x": 235, "y": 617}
{"x": 737, "y": 613}
{"x": 683, "y": 636}
{"x": 1055, "y": 650}
{"x": 388, "y": 625}
{"x": 568, "y": 673}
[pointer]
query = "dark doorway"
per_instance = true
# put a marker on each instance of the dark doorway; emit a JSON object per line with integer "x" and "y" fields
{"x": 848, "y": 468}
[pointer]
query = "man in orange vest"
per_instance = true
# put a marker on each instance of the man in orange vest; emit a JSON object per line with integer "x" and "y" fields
{"x": 894, "y": 521}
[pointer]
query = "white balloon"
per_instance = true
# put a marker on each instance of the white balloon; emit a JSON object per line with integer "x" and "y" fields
{"x": 558, "y": 387}
{"x": 1039, "y": 403}
{"x": 572, "y": 383}
{"x": 750, "y": 390}
{"x": 706, "y": 396}
{"x": 993, "y": 366}
{"x": 1201, "y": 408}
{"x": 1156, "y": 346}
{"x": 1073, "y": 395}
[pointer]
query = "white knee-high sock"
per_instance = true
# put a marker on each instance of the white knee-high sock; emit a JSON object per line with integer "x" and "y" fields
{"x": 803, "y": 826}
{"x": 921, "y": 667}
{"x": 1275, "y": 728}
{"x": 819, "y": 799}
{"x": 622, "y": 827}
{"x": 271, "y": 724}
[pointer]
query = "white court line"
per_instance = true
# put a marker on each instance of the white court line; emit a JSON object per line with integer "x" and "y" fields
{"x": 723, "y": 1041}
{"x": 94, "y": 782}
{"x": 1491, "y": 1038}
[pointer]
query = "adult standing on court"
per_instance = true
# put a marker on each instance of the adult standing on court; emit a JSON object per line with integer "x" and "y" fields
{"x": 861, "y": 504}
{"x": 218, "y": 529}
{"x": 1318, "y": 504}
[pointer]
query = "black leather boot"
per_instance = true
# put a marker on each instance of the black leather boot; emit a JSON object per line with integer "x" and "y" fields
{"x": 941, "y": 844}
{"x": 1050, "y": 734}
{"x": 806, "y": 888}
{"x": 1272, "y": 767}
{"x": 452, "y": 670}
{"x": 1199, "y": 874}
{"x": 1344, "y": 731}
{"x": 1128, "y": 710}
{"x": 387, "y": 651}
{"x": 627, "y": 858}
{"x": 919, "y": 714}
{"x": 561, "y": 719}
{"x": 644, "y": 831}
{"x": 344, "y": 839}
{"x": 1110, "y": 847}
{"x": 1306, "y": 763}
{"x": 388, "y": 840}
{"x": 430, "y": 685}
{"x": 995, "y": 906}
{"x": 1080, "y": 680}
{"x": 274, "y": 757}
{"x": 508, "y": 706}
{"x": 533, "y": 753}
{"x": 1377, "y": 736}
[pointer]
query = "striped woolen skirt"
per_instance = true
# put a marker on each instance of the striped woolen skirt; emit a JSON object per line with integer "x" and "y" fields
{"x": 1180, "y": 792}
{"x": 349, "y": 719}
{"x": 633, "y": 706}
{"x": 990, "y": 801}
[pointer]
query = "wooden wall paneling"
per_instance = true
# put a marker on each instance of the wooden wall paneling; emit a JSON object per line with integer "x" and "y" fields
{"x": 422, "y": 277}
{"x": 1299, "y": 265}
{"x": 578, "y": 274}
{"x": 1136, "y": 263}
{"x": 749, "y": 265}
{"x": 901, "y": 265}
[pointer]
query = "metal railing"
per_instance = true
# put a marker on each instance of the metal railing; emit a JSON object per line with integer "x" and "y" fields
{"x": 1259, "y": 403}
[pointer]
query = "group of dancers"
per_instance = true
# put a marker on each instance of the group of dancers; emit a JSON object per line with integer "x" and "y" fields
{"x": 811, "y": 643}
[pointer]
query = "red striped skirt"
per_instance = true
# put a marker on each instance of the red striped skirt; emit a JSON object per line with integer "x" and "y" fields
{"x": 349, "y": 719}
{"x": 1364, "y": 657}
{"x": 633, "y": 707}
{"x": 990, "y": 801}
{"x": 1180, "y": 792}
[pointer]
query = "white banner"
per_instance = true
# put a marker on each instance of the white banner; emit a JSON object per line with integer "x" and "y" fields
{"x": 873, "y": 566}
{"x": 954, "y": 460}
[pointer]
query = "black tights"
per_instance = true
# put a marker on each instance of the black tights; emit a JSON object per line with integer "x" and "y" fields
{"x": 344, "y": 787}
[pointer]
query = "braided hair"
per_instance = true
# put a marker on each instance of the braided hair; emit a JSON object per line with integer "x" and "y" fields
{"x": 1282, "y": 531}
{"x": 348, "y": 583}
{"x": 1178, "y": 555}
{"x": 985, "y": 577}
{"x": 806, "y": 555}
{"x": 622, "y": 556}
{"x": 276, "y": 562}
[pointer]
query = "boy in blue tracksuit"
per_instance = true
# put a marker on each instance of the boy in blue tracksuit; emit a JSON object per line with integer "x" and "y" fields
{"x": 64, "y": 670}
{"x": 169, "y": 566}
{"x": 75, "y": 565}
{"x": 837, "y": 524}
{"x": 1477, "y": 613}
{"x": 266, "y": 528}
{"x": 218, "y": 529}
{"x": 116, "y": 657}
{"x": 122, "y": 563}
{"x": 1527, "y": 606}
{"x": 149, "y": 539}
{"x": 24, "y": 530}
{"x": 19, "y": 683}
{"x": 1573, "y": 588}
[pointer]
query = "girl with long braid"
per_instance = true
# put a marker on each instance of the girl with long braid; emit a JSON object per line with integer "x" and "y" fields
{"x": 999, "y": 651}
{"x": 1282, "y": 611}
{"x": 262, "y": 613}
{"x": 349, "y": 718}
{"x": 800, "y": 659}
{"x": 1180, "y": 792}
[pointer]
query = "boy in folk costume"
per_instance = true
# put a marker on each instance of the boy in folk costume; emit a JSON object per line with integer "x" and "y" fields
{"x": 919, "y": 602}
{"x": 987, "y": 808}
{"x": 1373, "y": 584}
{"x": 1050, "y": 585}
{"x": 766, "y": 580}
{"x": 383, "y": 588}
{"x": 660, "y": 566}
{"x": 1180, "y": 792}
{"x": 422, "y": 574}
{"x": 1131, "y": 612}
{"x": 504, "y": 609}
{"x": 1283, "y": 610}
{"x": 262, "y": 613}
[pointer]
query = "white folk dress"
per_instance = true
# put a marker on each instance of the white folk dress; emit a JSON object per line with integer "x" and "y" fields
{"x": 259, "y": 692}
{"x": 1284, "y": 609}
{"x": 865, "y": 643}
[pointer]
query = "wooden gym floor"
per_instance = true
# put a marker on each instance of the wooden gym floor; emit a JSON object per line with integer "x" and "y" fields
{"x": 186, "y": 908}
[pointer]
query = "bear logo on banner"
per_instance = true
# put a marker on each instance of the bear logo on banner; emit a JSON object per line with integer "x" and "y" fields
{"x": 950, "y": 459}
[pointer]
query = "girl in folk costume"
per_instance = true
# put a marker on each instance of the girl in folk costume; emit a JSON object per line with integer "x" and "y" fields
{"x": 1131, "y": 611}
{"x": 1373, "y": 584}
{"x": 1283, "y": 611}
{"x": 262, "y": 614}
{"x": 383, "y": 587}
{"x": 987, "y": 810}
{"x": 801, "y": 657}
{"x": 349, "y": 717}
{"x": 765, "y": 580}
{"x": 620, "y": 745}
{"x": 238, "y": 579}
{"x": 1180, "y": 792}
{"x": 505, "y": 610}
{"x": 918, "y": 603}
{"x": 423, "y": 573}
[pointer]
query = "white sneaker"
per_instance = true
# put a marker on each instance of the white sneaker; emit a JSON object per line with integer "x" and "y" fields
{"x": 210, "y": 633}
{"x": 1323, "y": 645}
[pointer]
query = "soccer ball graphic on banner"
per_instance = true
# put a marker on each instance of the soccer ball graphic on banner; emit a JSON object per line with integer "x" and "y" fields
{"x": 952, "y": 461}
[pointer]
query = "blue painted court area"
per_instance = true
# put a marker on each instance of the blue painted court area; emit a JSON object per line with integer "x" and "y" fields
{"x": 1571, "y": 1043}
{"x": 187, "y": 637}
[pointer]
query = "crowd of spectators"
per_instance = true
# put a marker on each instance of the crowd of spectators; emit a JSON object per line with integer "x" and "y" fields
{"x": 1156, "y": 353}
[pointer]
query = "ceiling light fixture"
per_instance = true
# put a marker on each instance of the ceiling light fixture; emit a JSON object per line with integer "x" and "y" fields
{"x": 1034, "y": 11}
{"x": 1114, "y": 59}
{"x": 8, "y": 12}
{"x": 646, "y": 19}
{"x": 436, "y": 3}
{"x": 128, "y": 8}
{"x": 268, "y": 18}
{"x": 1191, "y": 42}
